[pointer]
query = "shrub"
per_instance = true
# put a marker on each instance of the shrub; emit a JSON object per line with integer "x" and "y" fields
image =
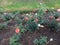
{"x": 4, "y": 25}
{"x": 53, "y": 25}
{"x": 39, "y": 18}
{"x": 41, "y": 41}
{"x": 54, "y": 13}
{"x": 11, "y": 15}
{"x": 41, "y": 12}
{"x": 31, "y": 25}
{"x": 7, "y": 17}
{"x": 18, "y": 20}
{"x": 50, "y": 23}
{"x": 14, "y": 40}
{"x": 22, "y": 28}
{"x": 36, "y": 41}
{"x": 56, "y": 16}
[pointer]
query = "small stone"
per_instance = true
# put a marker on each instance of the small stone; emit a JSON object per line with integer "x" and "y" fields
{"x": 38, "y": 25}
{"x": 41, "y": 26}
{"x": 51, "y": 39}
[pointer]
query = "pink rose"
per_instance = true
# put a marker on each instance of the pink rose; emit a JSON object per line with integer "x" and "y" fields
{"x": 58, "y": 10}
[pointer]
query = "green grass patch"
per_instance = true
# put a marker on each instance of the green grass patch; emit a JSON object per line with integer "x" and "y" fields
{"x": 19, "y": 5}
{"x": 11, "y": 5}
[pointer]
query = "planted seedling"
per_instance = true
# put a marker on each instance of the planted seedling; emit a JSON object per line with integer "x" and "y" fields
{"x": 41, "y": 41}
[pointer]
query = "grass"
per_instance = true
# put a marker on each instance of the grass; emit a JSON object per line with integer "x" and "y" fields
{"x": 19, "y": 5}
{"x": 52, "y": 3}
{"x": 6, "y": 5}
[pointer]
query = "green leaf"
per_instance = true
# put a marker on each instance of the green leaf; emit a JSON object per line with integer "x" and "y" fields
{"x": 36, "y": 41}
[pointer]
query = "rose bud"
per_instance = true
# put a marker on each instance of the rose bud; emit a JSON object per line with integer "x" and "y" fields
{"x": 51, "y": 17}
{"x": 36, "y": 20}
{"x": 17, "y": 30}
{"x": 26, "y": 18}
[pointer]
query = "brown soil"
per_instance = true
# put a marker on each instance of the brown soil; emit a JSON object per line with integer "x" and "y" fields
{"x": 28, "y": 37}
{"x": 5, "y": 35}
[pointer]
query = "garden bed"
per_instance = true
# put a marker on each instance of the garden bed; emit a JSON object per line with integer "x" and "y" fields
{"x": 27, "y": 37}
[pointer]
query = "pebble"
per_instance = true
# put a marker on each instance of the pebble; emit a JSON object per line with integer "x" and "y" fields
{"x": 51, "y": 39}
{"x": 39, "y": 25}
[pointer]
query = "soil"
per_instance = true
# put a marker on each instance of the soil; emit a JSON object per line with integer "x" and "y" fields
{"x": 28, "y": 37}
{"x": 5, "y": 35}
